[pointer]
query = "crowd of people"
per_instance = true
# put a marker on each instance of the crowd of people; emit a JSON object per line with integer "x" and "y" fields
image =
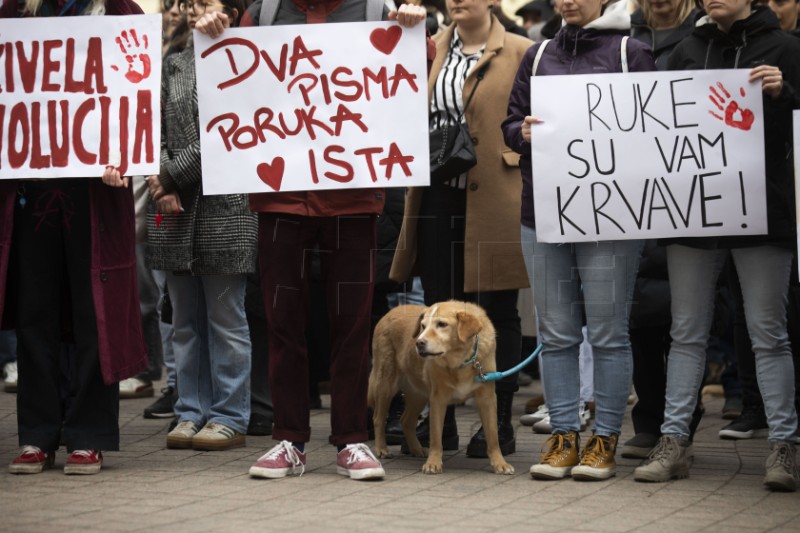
{"x": 221, "y": 289}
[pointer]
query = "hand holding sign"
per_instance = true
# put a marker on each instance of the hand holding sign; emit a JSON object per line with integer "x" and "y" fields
{"x": 734, "y": 116}
{"x": 771, "y": 79}
{"x": 408, "y": 15}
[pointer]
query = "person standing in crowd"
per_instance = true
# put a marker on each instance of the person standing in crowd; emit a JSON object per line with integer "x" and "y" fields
{"x": 207, "y": 245}
{"x": 570, "y": 280}
{"x": 788, "y": 13}
{"x": 462, "y": 236}
{"x": 175, "y": 36}
{"x": 662, "y": 25}
{"x": 342, "y": 224}
{"x": 534, "y": 16}
{"x": 73, "y": 267}
{"x": 736, "y": 34}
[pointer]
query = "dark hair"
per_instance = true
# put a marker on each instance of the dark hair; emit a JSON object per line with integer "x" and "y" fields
{"x": 230, "y": 5}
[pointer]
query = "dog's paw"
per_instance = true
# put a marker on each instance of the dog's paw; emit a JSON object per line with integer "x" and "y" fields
{"x": 503, "y": 468}
{"x": 418, "y": 451}
{"x": 432, "y": 468}
{"x": 383, "y": 453}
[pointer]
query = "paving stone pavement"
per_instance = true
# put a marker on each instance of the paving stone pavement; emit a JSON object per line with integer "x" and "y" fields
{"x": 145, "y": 487}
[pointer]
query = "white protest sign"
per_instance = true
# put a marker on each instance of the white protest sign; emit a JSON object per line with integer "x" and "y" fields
{"x": 313, "y": 107}
{"x": 80, "y": 93}
{"x": 796, "y": 129}
{"x": 647, "y": 155}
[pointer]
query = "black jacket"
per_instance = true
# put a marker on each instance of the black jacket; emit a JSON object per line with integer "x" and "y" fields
{"x": 756, "y": 40}
{"x": 641, "y": 31}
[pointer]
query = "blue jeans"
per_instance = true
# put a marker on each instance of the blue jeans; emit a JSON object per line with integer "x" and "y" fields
{"x": 149, "y": 296}
{"x": 569, "y": 281}
{"x": 166, "y": 330}
{"x": 764, "y": 279}
{"x": 212, "y": 349}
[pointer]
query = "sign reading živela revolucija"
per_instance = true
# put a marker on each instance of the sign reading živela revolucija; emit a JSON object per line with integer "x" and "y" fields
{"x": 313, "y": 107}
{"x": 646, "y": 155}
{"x": 79, "y": 93}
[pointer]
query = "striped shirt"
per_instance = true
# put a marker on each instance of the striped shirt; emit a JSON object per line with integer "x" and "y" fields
{"x": 447, "y": 103}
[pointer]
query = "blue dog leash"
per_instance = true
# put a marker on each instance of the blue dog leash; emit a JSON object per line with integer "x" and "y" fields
{"x": 494, "y": 376}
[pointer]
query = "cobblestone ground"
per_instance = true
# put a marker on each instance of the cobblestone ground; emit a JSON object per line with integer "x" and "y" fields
{"x": 145, "y": 487}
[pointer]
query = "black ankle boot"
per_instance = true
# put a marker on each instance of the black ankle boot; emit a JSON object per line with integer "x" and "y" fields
{"x": 449, "y": 432}
{"x": 505, "y": 431}
{"x": 394, "y": 430}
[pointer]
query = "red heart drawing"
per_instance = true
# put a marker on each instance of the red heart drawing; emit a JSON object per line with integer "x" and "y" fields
{"x": 384, "y": 40}
{"x": 271, "y": 174}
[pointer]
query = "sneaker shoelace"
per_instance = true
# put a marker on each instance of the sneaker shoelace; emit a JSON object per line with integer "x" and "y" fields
{"x": 665, "y": 448}
{"x": 557, "y": 447}
{"x": 595, "y": 451}
{"x": 785, "y": 458}
{"x": 30, "y": 450}
{"x": 359, "y": 452}
{"x": 285, "y": 447}
{"x": 83, "y": 453}
{"x": 186, "y": 424}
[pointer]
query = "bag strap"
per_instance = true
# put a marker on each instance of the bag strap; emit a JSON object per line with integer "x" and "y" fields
{"x": 623, "y": 53}
{"x": 374, "y": 10}
{"x": 269, "y": 10}
{"x": 481, "y": 73}
{"x": 539, "y": 54}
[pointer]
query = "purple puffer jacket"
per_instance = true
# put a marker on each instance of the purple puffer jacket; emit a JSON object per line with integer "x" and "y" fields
{"x": 591, "y": 49}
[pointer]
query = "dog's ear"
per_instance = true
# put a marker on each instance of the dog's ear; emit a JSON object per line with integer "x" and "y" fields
{"x": 468, "y": 325}
{"x": 418, "y": 331}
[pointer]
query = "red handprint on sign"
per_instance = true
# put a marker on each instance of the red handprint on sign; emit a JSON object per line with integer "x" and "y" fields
{"x": 735, "y": 116}
{"x": 135, "y": 53}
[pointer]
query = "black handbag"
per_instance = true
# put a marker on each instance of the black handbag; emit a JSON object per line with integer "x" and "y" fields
{"x": 452, "y": 149}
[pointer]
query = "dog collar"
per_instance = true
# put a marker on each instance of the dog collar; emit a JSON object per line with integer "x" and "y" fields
{"x": 473, "y": 359}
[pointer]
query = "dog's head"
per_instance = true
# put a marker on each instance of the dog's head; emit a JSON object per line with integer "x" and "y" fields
{"x": 446, "y": 327}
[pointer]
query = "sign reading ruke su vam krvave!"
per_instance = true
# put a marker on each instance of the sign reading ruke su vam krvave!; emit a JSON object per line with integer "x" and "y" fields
{"x": 312, "y": 107}
{"x": 79, "y": 93}
{"x": 647, "y": 155}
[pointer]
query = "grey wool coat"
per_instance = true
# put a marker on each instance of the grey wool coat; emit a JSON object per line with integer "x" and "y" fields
{"x": 215, "y": 235}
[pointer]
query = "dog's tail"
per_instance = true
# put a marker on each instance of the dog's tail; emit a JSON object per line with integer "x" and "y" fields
{"x": 383, "y": 376}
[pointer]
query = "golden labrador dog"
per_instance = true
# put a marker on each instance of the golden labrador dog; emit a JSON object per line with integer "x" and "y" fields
{"x": 433, "y": 355}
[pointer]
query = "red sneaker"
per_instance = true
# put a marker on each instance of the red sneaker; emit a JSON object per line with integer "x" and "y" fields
{"x": 84, "y": 462}
{"x": 358, "y": 462}
{"x": 31, "y": 460}
{"x": 280, "y": 461}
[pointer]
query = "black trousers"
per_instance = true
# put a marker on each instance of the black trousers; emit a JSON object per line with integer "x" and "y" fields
{"x": 61, "y": 394}
{"x": 650, "y": 347}
{"x": 440, "y": 258}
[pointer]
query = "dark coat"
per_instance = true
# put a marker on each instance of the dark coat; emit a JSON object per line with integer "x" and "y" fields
{"x": 594, "y": 48}
{"x": 114, "y": 283}
{"x": 642, "y": 32}
{"x": 756, "y": 40}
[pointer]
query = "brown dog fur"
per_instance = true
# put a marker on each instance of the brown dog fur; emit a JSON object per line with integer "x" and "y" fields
{"x": 420, "y": 350}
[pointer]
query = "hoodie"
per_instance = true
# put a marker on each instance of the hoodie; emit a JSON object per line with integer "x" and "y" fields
{"x": 756, "y": 40}
{"x": 593, "y": 48}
